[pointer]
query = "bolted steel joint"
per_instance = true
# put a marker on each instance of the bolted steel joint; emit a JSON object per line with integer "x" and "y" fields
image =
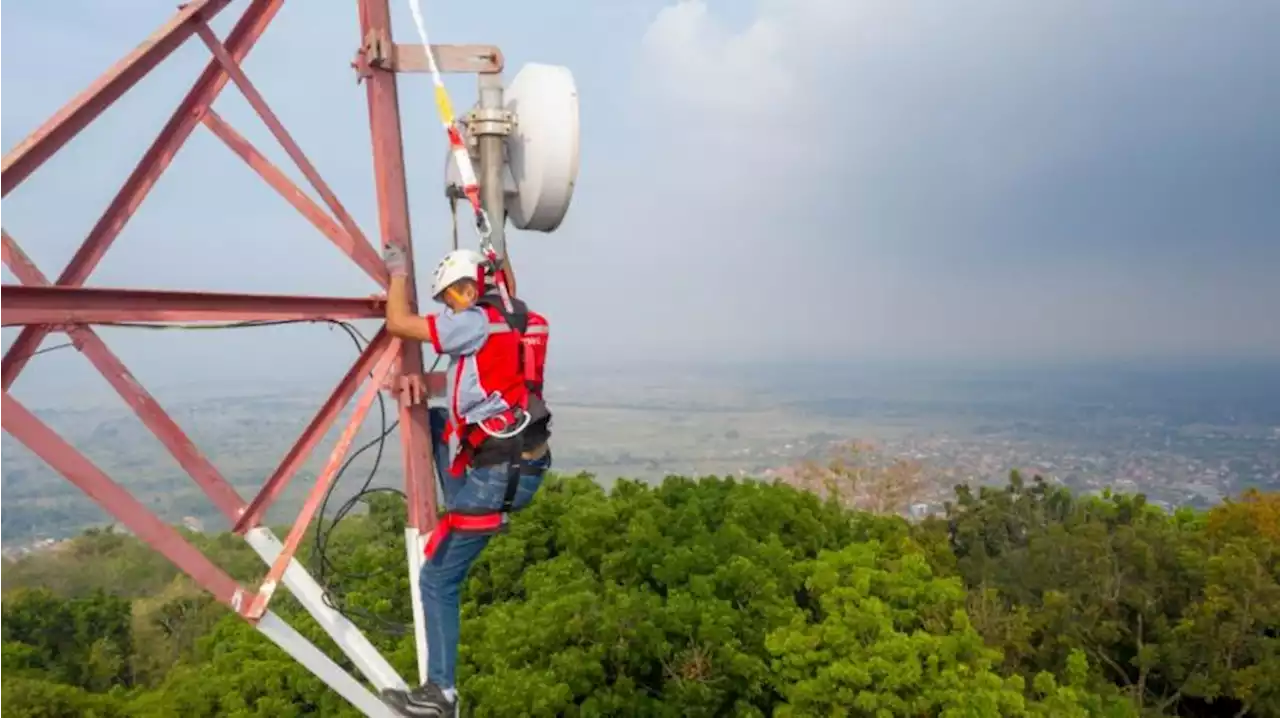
{"x": 489, "y": 121}
{"x": 373, "y": 54}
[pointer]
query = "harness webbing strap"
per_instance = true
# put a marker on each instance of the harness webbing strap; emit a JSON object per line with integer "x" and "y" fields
{"x": 515, "y": 467}
{"x": 451, "y": 522}
{"x": 472, "y": 436}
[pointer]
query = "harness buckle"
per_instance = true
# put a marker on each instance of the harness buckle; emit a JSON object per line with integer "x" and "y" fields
{"x": 501, "y": 422}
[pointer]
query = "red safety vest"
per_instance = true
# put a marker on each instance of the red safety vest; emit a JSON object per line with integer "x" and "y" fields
{"x": 511, "y": 363}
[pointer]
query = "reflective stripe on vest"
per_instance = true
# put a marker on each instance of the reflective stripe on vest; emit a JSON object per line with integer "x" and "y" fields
{"x": 501, "y": 327}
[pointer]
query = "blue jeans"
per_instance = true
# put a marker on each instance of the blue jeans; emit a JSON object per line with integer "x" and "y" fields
{"x": 442, "y": 576}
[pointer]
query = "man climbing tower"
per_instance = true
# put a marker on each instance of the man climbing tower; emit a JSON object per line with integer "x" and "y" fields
{"x": 500, "y": 425}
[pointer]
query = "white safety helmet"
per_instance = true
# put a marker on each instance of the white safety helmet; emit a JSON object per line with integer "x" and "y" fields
{"x": 458, "y": 264}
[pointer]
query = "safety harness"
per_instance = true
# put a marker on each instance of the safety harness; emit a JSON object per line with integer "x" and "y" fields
{"x": 505, "y": 437}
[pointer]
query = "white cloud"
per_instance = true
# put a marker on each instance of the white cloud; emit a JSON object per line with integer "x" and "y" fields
{"x": 940, "y": 164}
{"x": 708, "y": 67}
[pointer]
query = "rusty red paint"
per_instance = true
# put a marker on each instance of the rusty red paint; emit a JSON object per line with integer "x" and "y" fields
{"x": 358, "y": 250}
{"x": 63, "y": 458}
{"x": 153, "y": 416}
{"x": 328, "y": 474}
{"x": 19, "y": 263}
{"x": 282, "y": 135}
{"x": 314, "y": 432}
{"x": 81, "y": 305}
{"x": 393, "y": 224}
{"x": 40, "y": 306}
{"x": 40, "y": 145}
{"x": 156, "y": 160}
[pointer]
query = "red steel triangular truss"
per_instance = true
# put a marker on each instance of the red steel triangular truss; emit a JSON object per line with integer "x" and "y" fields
{"x": 67, "y": 305}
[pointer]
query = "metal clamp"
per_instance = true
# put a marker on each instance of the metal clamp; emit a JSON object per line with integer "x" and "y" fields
{"x": 490, "y": 121}
{"x": 483, "y": 228}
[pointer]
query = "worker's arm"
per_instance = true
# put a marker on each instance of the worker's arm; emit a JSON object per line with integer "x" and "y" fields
{"x": 401, "y": 322}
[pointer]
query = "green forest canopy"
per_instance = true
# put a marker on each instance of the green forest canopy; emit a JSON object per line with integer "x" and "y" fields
{"x": 712, "y": 597}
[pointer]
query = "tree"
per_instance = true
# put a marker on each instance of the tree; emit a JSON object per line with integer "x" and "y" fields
{"x": 25, "y": 697}
{"x": 859, "y": 478}
{"x": 1173, "y": 609}
{"x": 885, "y": 637}
{"x": 712, "y": 597}
{"x": 84, "y": 642}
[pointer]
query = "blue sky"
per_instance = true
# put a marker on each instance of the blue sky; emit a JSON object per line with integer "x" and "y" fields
{"x": 836, "y": 178}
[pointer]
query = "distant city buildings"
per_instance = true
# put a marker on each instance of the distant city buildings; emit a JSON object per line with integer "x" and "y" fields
{"x": 695, "y": 429}
{"x": 1169, "y": 479}
{"x": 40, "y": 546}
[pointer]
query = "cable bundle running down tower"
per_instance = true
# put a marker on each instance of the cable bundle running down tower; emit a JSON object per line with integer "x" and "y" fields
{"x": 528, "y": 163}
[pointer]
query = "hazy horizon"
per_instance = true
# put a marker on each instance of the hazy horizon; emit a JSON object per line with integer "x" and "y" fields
{"x": 837, "y": 377}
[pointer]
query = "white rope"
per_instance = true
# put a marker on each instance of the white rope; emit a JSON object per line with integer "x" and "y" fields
{"x": 466, "y": 173}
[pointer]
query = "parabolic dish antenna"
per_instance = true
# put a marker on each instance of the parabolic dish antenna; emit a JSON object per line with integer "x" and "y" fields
{"x": 541, "y": 164}
{"x": 542, "y": 150}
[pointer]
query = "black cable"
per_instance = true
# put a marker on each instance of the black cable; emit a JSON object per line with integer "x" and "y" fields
{"x": 326, "y": 573}
{"x": 46, "y": 350}
{"x": 55, "y": 347}
{"x": 327, "y": 576}
{"x": 356, "y": 335}
{"x": 323, "y": 566}
{"x": 322, "y": 537}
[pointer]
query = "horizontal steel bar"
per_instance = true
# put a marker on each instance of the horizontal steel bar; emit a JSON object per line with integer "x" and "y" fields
{"x": 40, "y": 145}
{"x": 196, "y": 464}
{"x": 80, "y": 305}
{"x": 462, "y": 59}
{"x": 449, "y": 58}
{"x": 345, "y": 634}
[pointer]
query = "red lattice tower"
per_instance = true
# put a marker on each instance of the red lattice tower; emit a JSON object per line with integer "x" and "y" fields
{"x": 68, "y": 306}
